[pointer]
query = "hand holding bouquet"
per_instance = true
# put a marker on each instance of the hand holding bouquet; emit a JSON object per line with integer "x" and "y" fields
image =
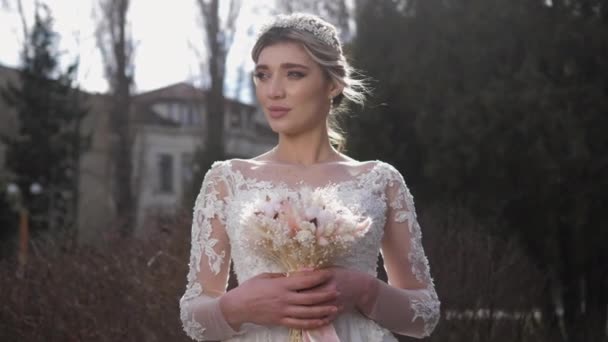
{"x": 304, "y": 229}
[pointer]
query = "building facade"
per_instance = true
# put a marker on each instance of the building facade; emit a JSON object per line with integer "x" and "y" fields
{"x": 169, "y": 127}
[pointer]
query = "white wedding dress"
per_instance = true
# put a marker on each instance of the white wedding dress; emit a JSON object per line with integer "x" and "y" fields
{"x": 375, "y": 189}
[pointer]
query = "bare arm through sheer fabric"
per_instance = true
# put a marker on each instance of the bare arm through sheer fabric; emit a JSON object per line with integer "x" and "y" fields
{"x": 209, "y": 269}
{"x": 409, "y": 305}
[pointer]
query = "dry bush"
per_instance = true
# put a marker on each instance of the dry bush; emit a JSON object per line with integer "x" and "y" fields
{"x": 480, "y": 275}
{"x": 125, "y": 289}
{"x": 121, "y": 289}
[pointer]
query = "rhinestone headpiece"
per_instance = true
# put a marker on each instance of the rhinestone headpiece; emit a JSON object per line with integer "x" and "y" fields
{"x": 309, "y": 23}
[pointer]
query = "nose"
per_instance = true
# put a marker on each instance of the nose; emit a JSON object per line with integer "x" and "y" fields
{"x": 276, "y": 89}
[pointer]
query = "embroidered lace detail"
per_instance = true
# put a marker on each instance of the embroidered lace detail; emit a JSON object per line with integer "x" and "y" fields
{"x": 360, "y": 194}
{"x": 193, "y": 328}
{"x": 428, "y": 310}
{"x": 403, "y": 204}
{"x": 208, "y": 206}
{"x": 227, "y": 189}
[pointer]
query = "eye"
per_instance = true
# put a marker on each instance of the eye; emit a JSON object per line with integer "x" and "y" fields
{"x": 295, "y": 74}
{"x": 261, "y": 76}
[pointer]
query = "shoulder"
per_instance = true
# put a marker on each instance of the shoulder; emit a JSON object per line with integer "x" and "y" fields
{"x": 218, "y": 168}
{"x": 229, "y": 165}
{"x": 230, "y": 170}
{"x": 388, "y": 170}
{"x": 240, "y": 163}
{"x": 218, "y": 174}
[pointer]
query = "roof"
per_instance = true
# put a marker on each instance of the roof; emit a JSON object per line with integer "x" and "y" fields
{"x": 143, "y": 102}
{"x": 179, "y": 92}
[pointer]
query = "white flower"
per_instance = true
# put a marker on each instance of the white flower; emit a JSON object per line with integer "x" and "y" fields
{"x": 305, "y": 237}
{"x": 325, "y": 217}
{"x": 305, "y": 225}
{"x": 268, "y": 209}
{"x": 329, "y": 229}
{"x": 311, "y": 212}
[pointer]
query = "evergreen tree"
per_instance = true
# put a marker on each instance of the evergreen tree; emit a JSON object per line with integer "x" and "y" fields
{"x": 502, "y": 104}
{"x": 47, "y": 146}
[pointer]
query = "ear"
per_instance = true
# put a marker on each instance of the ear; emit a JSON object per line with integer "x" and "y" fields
{"x": 335, "y": 89}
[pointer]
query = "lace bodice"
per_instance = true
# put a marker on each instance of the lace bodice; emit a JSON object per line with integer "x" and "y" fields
{"x": 373, "y": 189}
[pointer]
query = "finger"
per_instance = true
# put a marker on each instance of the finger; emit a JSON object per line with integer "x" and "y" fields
{"x": 324, "y": 287}
{"x": 312, "y": 298}
{"x": 271, "y": 275}
{"x": 311, "y": 312}
{"x": 303, "y": 271}
{"x": 331, "y": 317}
{"x": 307, "y": 280}
{"x": 295, "y": 323}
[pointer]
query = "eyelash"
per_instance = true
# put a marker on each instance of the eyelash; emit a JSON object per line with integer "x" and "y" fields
{"x": 262, "y": 76}
{"x": 295, "y": 74}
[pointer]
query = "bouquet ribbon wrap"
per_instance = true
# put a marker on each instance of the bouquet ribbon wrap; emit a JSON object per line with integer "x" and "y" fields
{"x": 326, "y": 333}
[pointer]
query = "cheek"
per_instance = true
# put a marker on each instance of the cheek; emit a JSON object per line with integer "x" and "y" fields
{"x": 310, "y": 93}
{"x": 258, "y": 92}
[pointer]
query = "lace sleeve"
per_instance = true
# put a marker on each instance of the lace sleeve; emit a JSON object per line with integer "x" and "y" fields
{"x": 408, "y": 305}
{"x": 209, "y": 265}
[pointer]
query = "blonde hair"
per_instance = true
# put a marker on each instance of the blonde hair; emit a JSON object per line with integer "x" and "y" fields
{"x": 334, "y": 66}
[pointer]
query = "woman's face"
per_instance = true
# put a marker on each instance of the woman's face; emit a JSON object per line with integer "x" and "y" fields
{"x": 292, "y": 89}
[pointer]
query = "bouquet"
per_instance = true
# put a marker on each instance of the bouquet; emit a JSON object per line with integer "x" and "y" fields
{"x": 304, "y": 229}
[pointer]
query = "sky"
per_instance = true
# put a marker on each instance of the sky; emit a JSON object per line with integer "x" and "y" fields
{"x": 167, "y": 34}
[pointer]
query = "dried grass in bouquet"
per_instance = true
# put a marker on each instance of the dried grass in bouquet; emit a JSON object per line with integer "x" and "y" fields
{"x": 303, "y": 229}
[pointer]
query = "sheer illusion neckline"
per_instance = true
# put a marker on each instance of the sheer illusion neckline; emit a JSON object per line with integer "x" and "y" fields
{"x": 255, "y": 182}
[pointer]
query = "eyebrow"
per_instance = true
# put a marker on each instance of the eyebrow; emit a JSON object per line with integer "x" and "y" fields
{"x": 283, "y": 66}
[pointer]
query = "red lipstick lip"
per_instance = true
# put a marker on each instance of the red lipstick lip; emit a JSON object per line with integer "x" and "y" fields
{"x": 278, "y": 111}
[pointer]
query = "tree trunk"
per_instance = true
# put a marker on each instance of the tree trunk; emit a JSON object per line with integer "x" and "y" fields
{"x": 116, "y": 49}
{"x": 218, "y": 41}
{"x": 215, "y": 102}
{"x": 121, "y": 115}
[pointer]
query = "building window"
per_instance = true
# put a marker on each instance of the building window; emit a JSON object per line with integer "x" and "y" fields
{"x": 193, "y": 116}
{"x": 235, "y": 118}
{"x": 165, "y": 171}
{"x": 187, "y": 169}
{"x": 174, "y": 111}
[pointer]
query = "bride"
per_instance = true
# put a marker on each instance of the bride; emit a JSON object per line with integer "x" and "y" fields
{"x": 301, "y": 77}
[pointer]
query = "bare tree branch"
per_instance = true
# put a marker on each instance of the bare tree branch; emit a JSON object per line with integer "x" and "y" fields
{"x": 116, "y": 46}
{"x": 24, "y": 25}
{"x": 218, "y": 35}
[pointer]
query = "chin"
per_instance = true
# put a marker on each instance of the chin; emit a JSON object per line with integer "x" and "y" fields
{"x": 280, "y": 129}
{"x": 283, "y": 127}
{"x": 291, "y": 127}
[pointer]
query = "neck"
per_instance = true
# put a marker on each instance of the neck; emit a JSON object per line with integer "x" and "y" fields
{"x": 305, "y": 149}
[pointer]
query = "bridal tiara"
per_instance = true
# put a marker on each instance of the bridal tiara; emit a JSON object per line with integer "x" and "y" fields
{"x": 309, "y": 23}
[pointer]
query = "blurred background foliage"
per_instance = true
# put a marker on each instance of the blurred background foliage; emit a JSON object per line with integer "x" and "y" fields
{"x": 500, "y": 108}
